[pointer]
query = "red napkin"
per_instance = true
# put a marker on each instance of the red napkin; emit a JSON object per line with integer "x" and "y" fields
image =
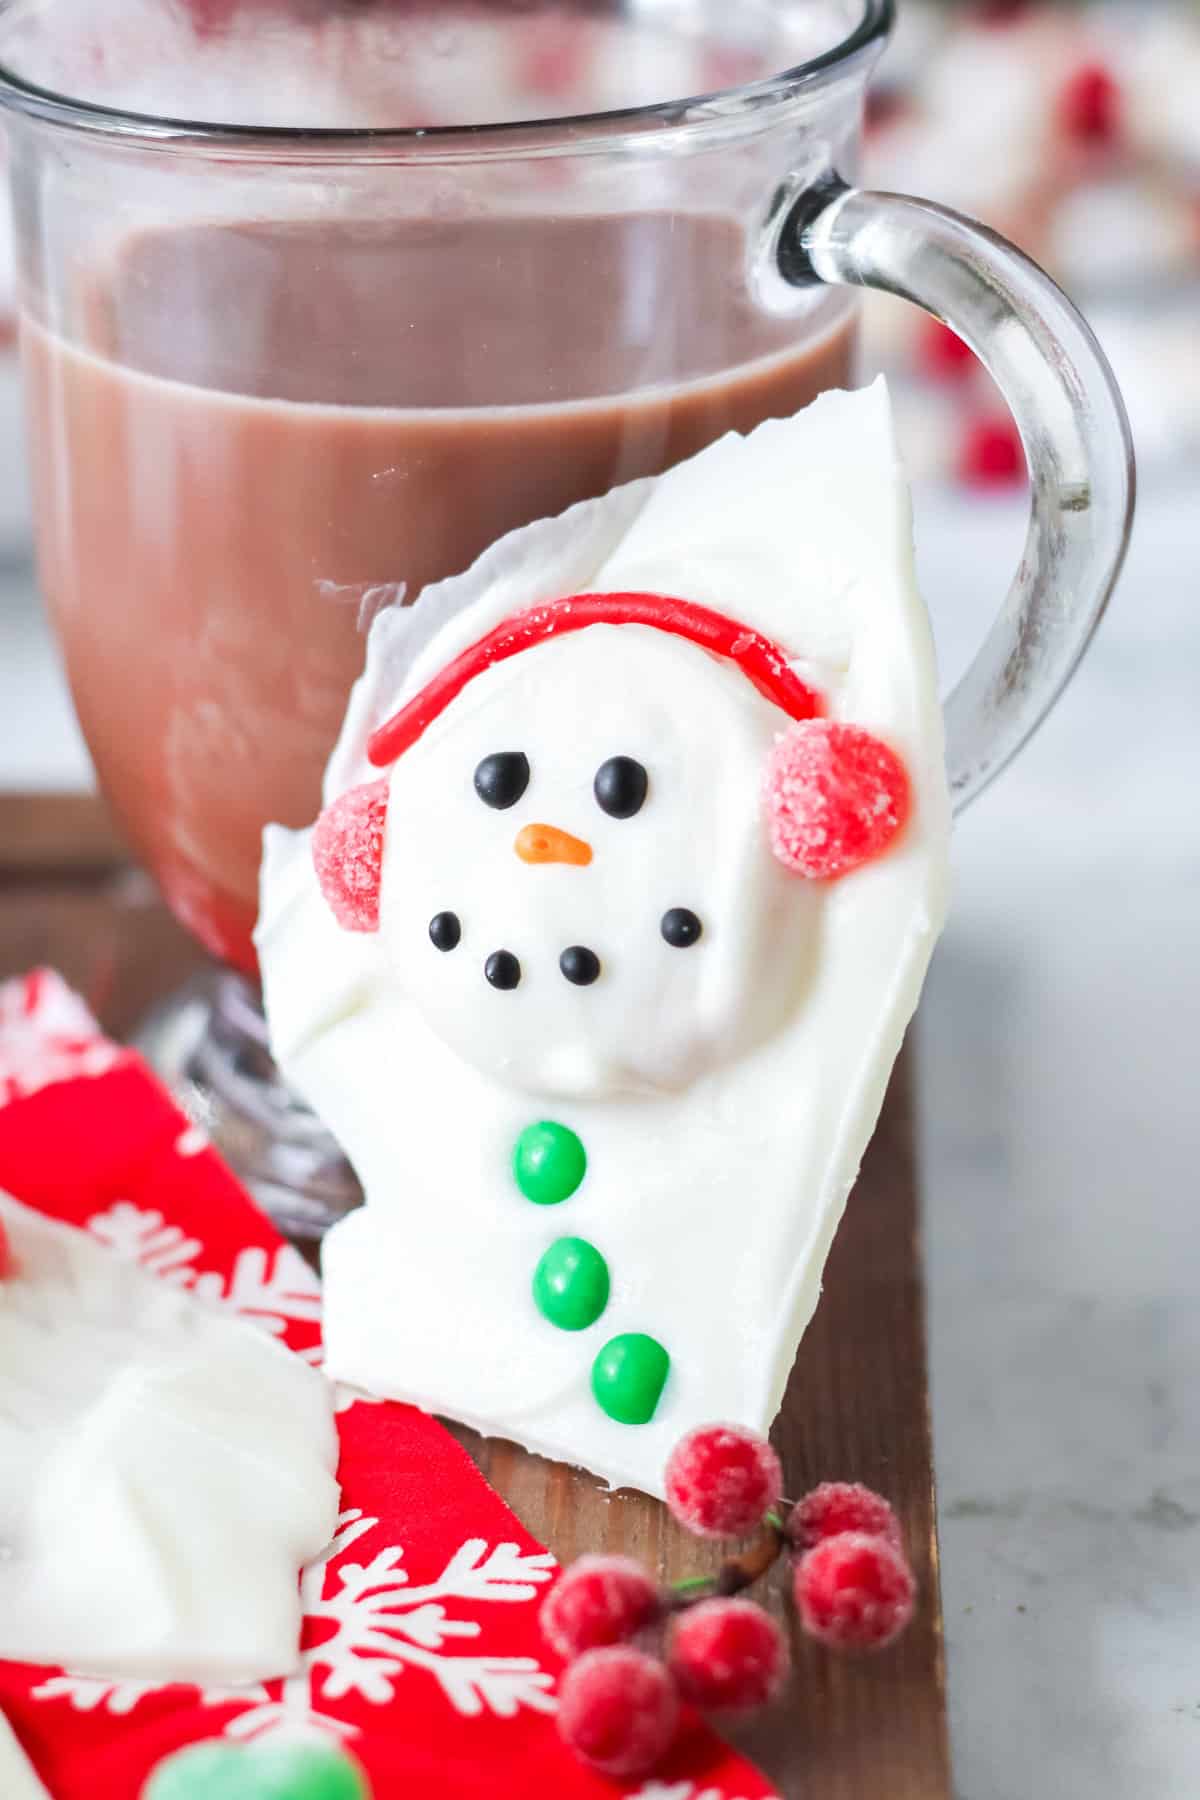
{"x": 422, "y": 1651}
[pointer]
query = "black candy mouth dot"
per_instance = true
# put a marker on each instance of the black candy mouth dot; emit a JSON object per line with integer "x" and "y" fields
{"x": 503, "y": 970}
{"x": 681, "y": 928}
{"x": 580, "y": 965}
{"x": 445, "y": 931}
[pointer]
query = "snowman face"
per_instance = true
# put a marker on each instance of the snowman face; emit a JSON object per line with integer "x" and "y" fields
{"x": 577, "y": 892}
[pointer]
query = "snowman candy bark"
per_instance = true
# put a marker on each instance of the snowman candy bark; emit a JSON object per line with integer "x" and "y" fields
{"x": 600, "y": 954}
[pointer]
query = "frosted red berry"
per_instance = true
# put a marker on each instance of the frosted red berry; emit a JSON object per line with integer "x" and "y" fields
{"x": 992, "y": 455}
{"x": 1090, "y": 106}
{"x": 618, "y": 1710}
{"x": 884, "y": 107}
{"x": 599, "y": 1600}
{"x": 836, "y": 796}
{"x": 211, "y": 16}
{"x": 1001, "y": 13}
{"x": 722, "y": 1480}
{"x": 556, "y": 63}
{"x": 854, "y": 1592}
{"x": 347, "y": 853}
{"x": 942, "y": 354}
{"x": 838, "y": 1506}
{"x": 727, "y": 1656}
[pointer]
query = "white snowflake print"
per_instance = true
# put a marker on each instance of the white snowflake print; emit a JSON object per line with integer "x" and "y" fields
{"x": 47, "y": 1035}
{"x": 91, "y": 1694}
{"x": 142, "y": 1236}
{"x": 384, "y": 1627}
{"x": 87, "y": 1695}
{"x": 270, "y": 1289}
{"x": 678, "y": 1790}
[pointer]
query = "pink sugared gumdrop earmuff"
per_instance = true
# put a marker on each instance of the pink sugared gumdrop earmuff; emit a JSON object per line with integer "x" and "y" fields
{"x": 835, "y": 797}
{"x": 347, "y": 853}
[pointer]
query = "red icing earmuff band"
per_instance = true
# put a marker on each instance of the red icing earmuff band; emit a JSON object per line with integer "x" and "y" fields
{"x": 761, "y": 661}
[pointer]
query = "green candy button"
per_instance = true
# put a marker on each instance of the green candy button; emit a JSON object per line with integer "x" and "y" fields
{"x": 258, "y": 1772}
{"x": 570, "y": 1284}
{"x": 628, "y": 1377}
{"x": 549, "y": 1163}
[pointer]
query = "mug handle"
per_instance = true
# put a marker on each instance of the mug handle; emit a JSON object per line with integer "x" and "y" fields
{"x": 1072, "y": 420}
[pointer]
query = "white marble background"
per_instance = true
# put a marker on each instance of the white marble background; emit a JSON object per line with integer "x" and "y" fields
{"x": 1058, "y": 1044}
{"x": 1059, "y": 1111}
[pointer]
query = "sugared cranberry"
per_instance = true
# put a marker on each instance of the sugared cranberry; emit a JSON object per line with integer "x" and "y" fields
{"x": 992, "y": 455}
{"x": 883, "y": 107}
{"x": 1089, "y": 106}
{"x": 1001, "y": 13}
{"x": 599, "y": 1600}
{"x": 722, "y": 1480}
{"x": 835, "y": 797}
{"x": 727, "y": 1656}
{"x": 618, "y": 1710}
{"x": 211, "y": 16}
{"x": 942, "y": 354}
{"x": 556, "y": 62}
{"x": 854, "y": 1592}
{"x": 838, "y": 1506}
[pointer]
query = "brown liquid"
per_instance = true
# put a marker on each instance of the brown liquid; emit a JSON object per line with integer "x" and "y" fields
{"x": 276, "y": 419}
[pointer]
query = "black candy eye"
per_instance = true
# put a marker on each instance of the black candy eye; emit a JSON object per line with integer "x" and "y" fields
{"x": 620, "y": 787}
{"x": 500, "y": 780}
{"x": 445, "y": 931}
{"x": 681, "y": 928}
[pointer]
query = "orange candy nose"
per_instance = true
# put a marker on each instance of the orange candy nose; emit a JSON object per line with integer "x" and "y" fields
{"x": 547, "y": 844}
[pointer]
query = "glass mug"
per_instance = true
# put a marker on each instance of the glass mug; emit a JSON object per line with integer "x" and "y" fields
{"x": 318, "y": 299}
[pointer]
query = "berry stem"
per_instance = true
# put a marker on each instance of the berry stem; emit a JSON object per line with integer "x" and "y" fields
{"x": 693, "y": 1584}
{"x": 734, "y": 1576}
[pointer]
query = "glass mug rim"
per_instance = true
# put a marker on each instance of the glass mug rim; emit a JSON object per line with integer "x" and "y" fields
{"x": 573, "y": 132}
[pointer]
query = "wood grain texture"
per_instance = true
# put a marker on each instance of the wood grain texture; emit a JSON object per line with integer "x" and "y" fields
{"x": 43, "y": 835}
{"x": 856, "y": 1406}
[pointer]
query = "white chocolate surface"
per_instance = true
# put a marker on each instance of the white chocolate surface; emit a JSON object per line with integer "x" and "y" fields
{"x": 713, "y": 1189}
{"x": 17, "y": 1778}
{"x": 165, "y": 1472}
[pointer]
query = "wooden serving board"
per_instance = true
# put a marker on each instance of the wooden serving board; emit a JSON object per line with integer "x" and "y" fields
{"x": 856, "y": 1408}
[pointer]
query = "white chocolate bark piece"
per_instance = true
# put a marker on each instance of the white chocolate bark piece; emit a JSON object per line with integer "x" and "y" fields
{"x": 724, "y": 1092}
{"x": 165, "y": 1471}
{"x": 17, "y": 1778}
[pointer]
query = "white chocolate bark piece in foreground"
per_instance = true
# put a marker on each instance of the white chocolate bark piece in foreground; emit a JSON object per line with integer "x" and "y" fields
{"x": 165, "y": 1471}
{"x": 723, "y": 1092}
{"x": 17, "y": 1778}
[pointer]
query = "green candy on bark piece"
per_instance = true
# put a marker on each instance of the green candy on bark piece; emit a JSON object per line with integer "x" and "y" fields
{"x": 549, "y": 1163}
{"x": 218, "y": 1771}
{"x": 628, "y": 1377}
{"x": 571, "y": 1284}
